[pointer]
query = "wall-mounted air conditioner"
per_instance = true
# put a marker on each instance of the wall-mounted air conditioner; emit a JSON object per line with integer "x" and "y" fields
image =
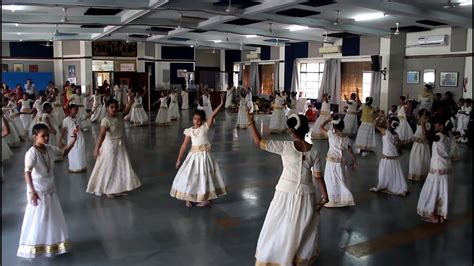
{"x": 330, "y": 50}
{"x": 433, "y": 40}
{"x": 252, "y": 56}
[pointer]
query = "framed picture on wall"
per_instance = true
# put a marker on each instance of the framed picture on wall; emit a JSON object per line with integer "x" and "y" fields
{"x": 448, "y": 79}
{"x": 71, "y": 71}
{"x": 4, "y": 68}
{"x": 17, "y": 67}
{"x": 33, "y": 68}
{"x": 413, "y": 77}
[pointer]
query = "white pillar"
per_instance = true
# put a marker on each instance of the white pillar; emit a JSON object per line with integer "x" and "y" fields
{"x": 385, "y": 54}
{"x": 58, "y": 64}
{"x": 223, "y": 75}
{"x": 86, "y": 65}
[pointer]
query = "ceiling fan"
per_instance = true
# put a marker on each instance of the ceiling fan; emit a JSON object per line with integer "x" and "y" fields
{"x": 229, "y": 7}
{"x": 338, "y": 20}
{"x": 449, "y": 4}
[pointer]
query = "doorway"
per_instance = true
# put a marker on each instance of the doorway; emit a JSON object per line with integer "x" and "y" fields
{"x": 100, "y": 77}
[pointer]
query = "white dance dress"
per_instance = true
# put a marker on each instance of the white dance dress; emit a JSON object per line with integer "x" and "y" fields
{"x": 391, "y": 179}
{"x": 6, "y": 151}
{"x": 404, "y": 131}
{"x": 26, "y": 120}
{"x": 242, "y": 120}
{"x": 365, "y": 139}
{"x": 434, "y": 194}
{"x": 199, "y": 177}
{"x": 98, "y": 108}
{"x": 334, "y": 177}
{"x": 250, "y": 104}
{"x": 77, "y": 156}
{"x": 118, "y": 93}
{"x": 302, "y": 105}
{"x": 324, "y": 114}
{"x": 113, "y": 172}
{"x": 206, "y": 106}
{"x": 426, "y": 100}
{"x": 12, "y": 139}
{"x": 173, "y": 109}
{"x": 138, "y": 115}
{"x": 43, "y": 232}
{"x": 463, "y": 117}
{"x": 289, "y": 235}
{"x": 185, "y": 100}
{"x": 79, "y": 100}
{"x": 162, "y": 118}
{"x": 420, "y": 155}
{"x": 292, "y": 110}
{"x": 38, "y": 105}
{"x": 15, "y": 118}
{"x": 58, "y": 111}
{"x": 278, "y": 119}
{"x": 350, "y": 119}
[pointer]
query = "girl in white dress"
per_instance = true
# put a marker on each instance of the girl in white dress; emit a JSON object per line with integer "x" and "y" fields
{"x": 206, "y": 104}
{"x": 324, "y": 114}
{"x": 339, "y": 194}
{"x": 138, "y": 115}
{"x": 43, "y": 232}
{"x": 6, "y": 151}
{"x": 78, "y": 100}
{"x": 463, "y": 116}
{"x": 118, "y": 94}
{"x": 113, "y": 174}
{"x": 350, "y": 119}
{"x": 58, "y": 110}
{"x": 15, "y": 117}
{"x": 230, "y": 96}
{"x": 26, "y": 119}
{"x": 98, "y": 107}
{"x": 199, "y": 178}
{"x": 242, "y": 114}
{"x": 35, "y": 112}
{"x": 404, "y": 131}
{"x": 365, "y": 139}
{"x": 420, "y": 154}
{"x": 173, "y": 110}
{"x": 47, "y": 119}
{"x": 391, "y": 179}
{"x": 13, "y": 138}
{"x": 278, "y": 119}
{"x": 289, "y": 235}
{"x": 162, "y": 118}
{"x": 77, "y": 157}
{"x": 433, "y": 202}
{"x": 184, "y": 100}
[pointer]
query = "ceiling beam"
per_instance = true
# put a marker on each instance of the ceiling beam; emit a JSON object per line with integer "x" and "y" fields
{"x": 125, "y": 4}
{"x": 412, "y": 10}
{"x": 42, "y": 37}
{"x": 56, "y": 19}
{"x": 49, "y": 29}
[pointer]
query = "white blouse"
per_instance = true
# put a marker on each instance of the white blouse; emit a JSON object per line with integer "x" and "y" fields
{"x": 41, "y": 166}
{"x": 198, "y": 135}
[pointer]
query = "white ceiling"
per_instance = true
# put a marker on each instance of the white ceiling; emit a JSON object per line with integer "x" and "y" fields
{"x": 44, "y": 20}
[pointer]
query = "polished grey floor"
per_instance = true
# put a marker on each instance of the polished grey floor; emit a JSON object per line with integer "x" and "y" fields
{"x": 151, "y": 228}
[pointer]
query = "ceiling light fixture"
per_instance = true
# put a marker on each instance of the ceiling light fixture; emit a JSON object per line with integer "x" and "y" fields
{"x": 325, "y": 36}
{"x": 271, "y": 29}
{"x": 251, "y": 36}
{"x": 397, "y": 31}
{"x": 217, "y": 41}
{"x": 369, "y": 16}
{"x": 449, "y": 4}
{"x": 297, "y": 28}
{"x": 16, "y": 24}
{"x": 338, "y": 18}
{"x": 21, "y": 40}
{"x": 466, "y": 3}
{"x": 64, "y": 19}
{"x": 192, "y": 46}
{"x": 276, "y": 43}
{"x": 19, "y": 33}
{"x": 241, "y": 46}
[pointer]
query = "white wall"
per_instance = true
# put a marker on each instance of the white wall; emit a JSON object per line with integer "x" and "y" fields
{"x": 468, "y": 67}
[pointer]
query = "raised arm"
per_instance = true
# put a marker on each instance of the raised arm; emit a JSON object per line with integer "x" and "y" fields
{"x": 128, "y": 107}
{"x": 210, "y": 120}
{"x": 322, "y": 127}
{"x": 63, "y": 134}
{"x": 347, "y": 99}
{"x": 69, "y": 146}
{"x": 255, "y": 134}
{"x": 359, "y": 102}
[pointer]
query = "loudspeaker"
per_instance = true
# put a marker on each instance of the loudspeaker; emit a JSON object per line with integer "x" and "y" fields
{"x": 375, "y": 63}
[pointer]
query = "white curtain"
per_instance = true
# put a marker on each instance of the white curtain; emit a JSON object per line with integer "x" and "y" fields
{"x": 295, "y": 79}
{"x": 331, "y": 81}
{"x": 276, "y": 76}
{"x": 241, "y": 75}
{"x": 254, "y": 81}
{"x": 375, "y": 87}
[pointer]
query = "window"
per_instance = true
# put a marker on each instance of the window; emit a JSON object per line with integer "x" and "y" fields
{"x": 366, "y": 84}
{"x": 235, "y": 74}
{"x": 311, "y": 75}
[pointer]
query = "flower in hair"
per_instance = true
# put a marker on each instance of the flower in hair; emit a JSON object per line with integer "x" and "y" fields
{"x": 337, "y": 121}
{"x": 298, "y": 121}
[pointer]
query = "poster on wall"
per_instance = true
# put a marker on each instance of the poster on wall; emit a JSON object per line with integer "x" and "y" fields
{"x": 33, "y": 68}
{"x": 17, "y": 67}
{"x": 181, "y": 73}
{"x": 127, "y": 67}
{"x": 413, "y": 77}
{"x": 448, "y": 79}
{"x": 4, "y": 68}
{"x": 71, "y": 71}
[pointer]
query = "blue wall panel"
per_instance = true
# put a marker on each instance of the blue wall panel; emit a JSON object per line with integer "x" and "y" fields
{"x": 351, "y": 46}
{"x": 40, "y": 79}
{"x": 293, "y": 51}
{"x": 265, "y": 52}
{"x": 30, "y": 49}
{"x": 172, "y": 52}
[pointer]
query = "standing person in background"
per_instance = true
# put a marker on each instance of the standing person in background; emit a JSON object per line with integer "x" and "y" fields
{"x": 30, "y": 88}
{"x": 118, "y": 93}
{"x": 249, "y": 100}
{"x": 436, "y": 103}
{"x": 124, "y": 89}
{"x": 350, "y": 119}
{"x": 229, "y": 95}
{"x": 426, "y": 98}
{"x": 66, "y": 90}
{"x": 192, "y": 89}
{"x": 365, "y": 139}
{"x": 302, "y": 104}
{"x": 19, "y": 91}
{"x": 184, "y": 99}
